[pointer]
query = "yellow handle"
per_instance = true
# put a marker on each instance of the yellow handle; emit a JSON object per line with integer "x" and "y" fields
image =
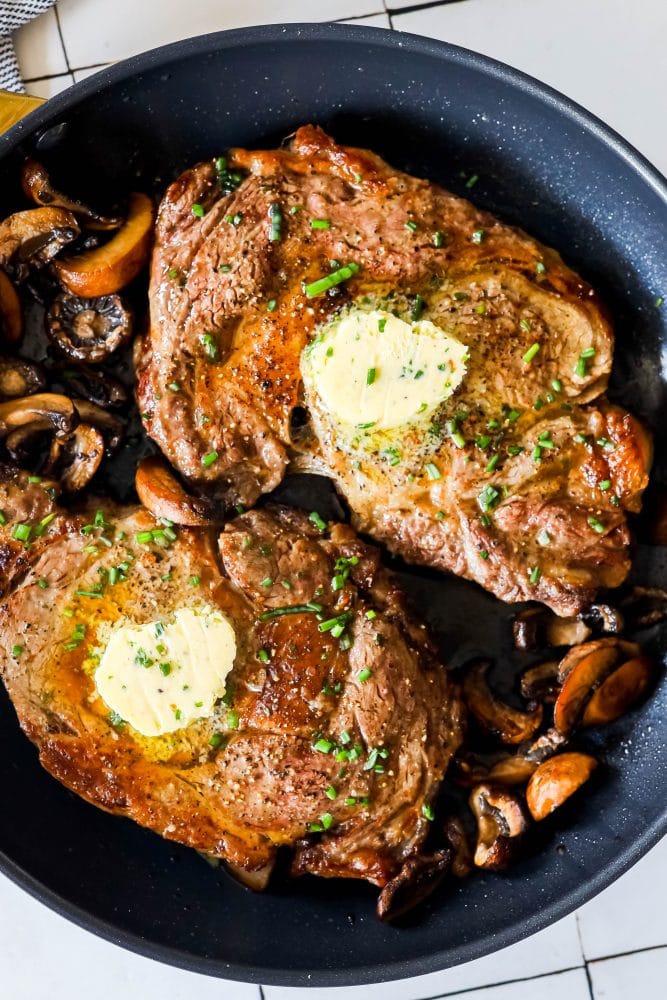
{"x": 13, "y": 107}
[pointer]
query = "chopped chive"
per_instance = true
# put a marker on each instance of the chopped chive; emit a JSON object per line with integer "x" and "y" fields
{"x": 331, "y": 792}
{"x": 21, "y": 532}
{"x": 232, "y": 719}
{"x": 323, "y": 746}
{"x": 470, "y": 183}
{"x": 483, "y": 553}
{"x": 479, "y": 235}
{"x": 488, "y": 498}
{"x": 267, "y": 582}
{"x": 525, "y": 324}
{"x": 534, "y": 575}
{"x": 276, "y": 221}
{"x": 326, "y": 819}
{"x": 544, "y": 538}
{"x": 318, "y": 521}
{"x": 370, "y": 376}
{"x": 144, "y": 537}
{"x": 263, "y": 655}
{"x": 596, "y": 525}
{"x": 16, "y": 651}
{"x": 209, "y": 458}
{"x": 411, "y": 225}
{"x": 320, "y": 224}
{"x": 174, "y": 386}
{"x": 417, "y": 309}
{"x": 493, "y": 462}
{"x": 605, "y": 485}
{"x": 427, "y": 810}
{"x": 271, "y": 305}
{"x": 438, "y": 239}
{"x": 42, "y": 584}
{"x": 364, "y": 675}
{"x": 330, "y": 280}
{"x": 556, "y": 385}
{"x": 198, "y": 210}
{"x": 432, "y": 471}
{"x": 210, "y": 346}
{"x": 530, "y": 353}
{"x": 540, "y": 266}
{"x": 537, "y": 453}
{"x": 88, "y": 593}
{"x": 293, "y": 609}
{"x": 194, "y": 580}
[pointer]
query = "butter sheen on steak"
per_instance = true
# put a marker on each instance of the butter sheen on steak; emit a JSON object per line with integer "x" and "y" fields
{"x": 522, "y": 479}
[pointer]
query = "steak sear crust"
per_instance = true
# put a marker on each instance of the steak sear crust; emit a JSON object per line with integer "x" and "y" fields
{"x": 533, "y": 426}
{"x": 248, "y": 780}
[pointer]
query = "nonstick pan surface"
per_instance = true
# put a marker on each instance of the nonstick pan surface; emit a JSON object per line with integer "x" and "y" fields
{"x": 544, "y": 164}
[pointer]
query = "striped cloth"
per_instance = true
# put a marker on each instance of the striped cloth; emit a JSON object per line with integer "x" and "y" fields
{"x": 14, "y": 14}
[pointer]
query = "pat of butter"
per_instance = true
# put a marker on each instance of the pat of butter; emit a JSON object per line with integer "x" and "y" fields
{"x": 163, "y": 675}
{"x": 372, "y": 369}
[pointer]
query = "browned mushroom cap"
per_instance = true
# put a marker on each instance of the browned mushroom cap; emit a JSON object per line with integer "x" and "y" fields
{"x": 37, "y": 185}
{"x": 510, "y": 725}
{"x": 501, "y": 822}
{"x": 89, "y": 329}
{"x": 43, "y": 411}
{"x": 96, "y": 387}
{"x": 619, "y": 692}
{"x": 457, "y": 838}
{"x": 556, "y": 780}
{"x": 110, "y": 425}
{"x": 11, "y": 316}
{"x": 162, "y": 494}
{"x": 75, "y": 460}
{"x": 34, "y": 237}
{"x": 414, "y": 883}
{"x": 581, "y": 672}
{"x": 536, "y": 628}
{"x": 20, "y": 378}
{"x": 540, "y": 683}
{"x": 502, "y": 768}
{"x": 257, "y": 880}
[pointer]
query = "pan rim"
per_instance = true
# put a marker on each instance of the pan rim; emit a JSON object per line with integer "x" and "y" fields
{"x": 523, "y": 927}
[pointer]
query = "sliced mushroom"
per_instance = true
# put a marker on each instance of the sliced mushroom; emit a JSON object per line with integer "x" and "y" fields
{"x": 536, "y": 628}
{"x": 457, "y": 838}
{"x": 543, "y": 746}
{"x": 501, "y": 822}
{"x": 32, "y": 238}
{"x": 11, "y": 315}
{"x": 89, "y": 329}
{"x": 603, "y": 619}
{"x": 540, "y": 683}
{"x": 109, "y": 268}
{"x": 509, "y": 725}
{"x": 162, "y": 494}
{"x": 557, "y": 780}
{"x": 20, "y": 378}
{"x": 644, "y": 606}
{"x": 96, "y": 387}
{"x": 257, "y": 880}
{"x": 37, "y": 185}
{"x": 619, "y": 692}
{"x": 27, "y": 445}
{"x": 75, "y": 460}
{"x": 581, "y": 672}
{"x": 110, "y": 425}
{"x": 43, "y": 411}
{"x": 416, "y": 881}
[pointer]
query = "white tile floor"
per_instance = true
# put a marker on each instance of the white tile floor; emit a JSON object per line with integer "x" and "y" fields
{"x": 612, "y": 58}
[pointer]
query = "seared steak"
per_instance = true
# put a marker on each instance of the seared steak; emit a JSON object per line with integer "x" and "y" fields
{"x": 331, "y": 740}
{"x": 520, "y": 481}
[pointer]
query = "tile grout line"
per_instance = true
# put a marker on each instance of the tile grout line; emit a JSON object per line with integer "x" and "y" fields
{"x": 62, "y": 39}
{"x": 626, "y": 954}
{"x": 504, "y": 982}
{"x": 412, "y": 8}
{"x": 587, "y": 971}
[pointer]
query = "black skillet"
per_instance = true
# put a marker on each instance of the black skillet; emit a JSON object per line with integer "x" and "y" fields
{"x": 438, "y": 112}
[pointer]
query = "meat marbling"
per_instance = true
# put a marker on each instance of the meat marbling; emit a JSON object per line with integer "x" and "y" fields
{"x": 383, "y": 703}
{"x": 560, "y": 465}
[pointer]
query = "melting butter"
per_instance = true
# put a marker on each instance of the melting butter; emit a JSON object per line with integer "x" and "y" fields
{"x": 371, "y": 369}
{"x": 163, "y": 675}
